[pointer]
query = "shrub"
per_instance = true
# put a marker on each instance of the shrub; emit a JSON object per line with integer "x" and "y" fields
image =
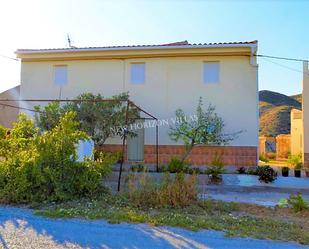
{"x": 252, "y": 170}
{"x": 195, "y": 171}
{"x": 263, "y": 158}
{"x": 266, "y": 174}
{"x": 38, "y": 167}
{"x": 295, "y": 161}
{"x": 241, "y": 170}
{"x": 215, "y": 169}
{"x": 178, "y": 191}
{"x": 298, "y": 203}
{"x": 163, "y": 168}
{"x": 138, "y": 168}
{"x": 177, "y": 165}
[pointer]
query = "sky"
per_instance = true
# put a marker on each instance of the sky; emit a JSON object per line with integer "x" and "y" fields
{"x": 281, "y": 27}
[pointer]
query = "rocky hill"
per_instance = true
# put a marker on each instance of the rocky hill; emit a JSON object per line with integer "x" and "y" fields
{"x": 275, "y": 111}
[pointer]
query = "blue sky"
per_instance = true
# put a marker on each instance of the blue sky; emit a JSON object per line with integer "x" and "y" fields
{"x": 280, "y": 27}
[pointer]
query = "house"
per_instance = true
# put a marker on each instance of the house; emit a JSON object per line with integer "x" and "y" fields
{"x": 160, "y": 79}
{"x": 300, "y": 123}
{"x": 9, "y": 114}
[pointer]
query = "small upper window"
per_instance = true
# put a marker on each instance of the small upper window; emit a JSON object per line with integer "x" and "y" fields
{"x": 61, "y": 75}
{"x": 211, "y": 72}
{"x": 138, "y": 73}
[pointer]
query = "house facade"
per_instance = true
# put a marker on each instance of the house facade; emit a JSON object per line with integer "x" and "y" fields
{"x": 9, "y": 114}
{"x": 160, "y": 79}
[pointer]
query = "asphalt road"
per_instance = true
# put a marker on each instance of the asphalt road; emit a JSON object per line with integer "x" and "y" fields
{"x": 20, "y": 229}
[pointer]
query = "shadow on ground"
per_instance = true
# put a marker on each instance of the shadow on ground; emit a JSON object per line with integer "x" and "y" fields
{"x": 19, "y": 228}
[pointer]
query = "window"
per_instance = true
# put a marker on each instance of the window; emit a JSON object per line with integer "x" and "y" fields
{"x": 61, "y": 75}
{"x": 138, "y": 73}
{"x": 211, "y": 72}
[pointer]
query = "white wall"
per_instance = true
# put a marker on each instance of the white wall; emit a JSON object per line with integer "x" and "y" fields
{"x": 171, "y": 83}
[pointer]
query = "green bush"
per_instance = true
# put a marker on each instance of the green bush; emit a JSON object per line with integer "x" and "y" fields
{"x": 295, "y": 161}
{"x": 216, "y": 169}
{"x": 252, "y": 170}
{"x": 163, "y": 168}
{"x": 266, "y": 174}
{"x": 138, "y": 168}
{"x": 298, "y": 203}
{"x": 176, "y": 165}
{"x": 43, "y": 166}
{"x": 263, "y": 158}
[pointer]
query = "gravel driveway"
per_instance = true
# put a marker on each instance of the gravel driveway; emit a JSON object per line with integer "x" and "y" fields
{"x": 20, "y": 229}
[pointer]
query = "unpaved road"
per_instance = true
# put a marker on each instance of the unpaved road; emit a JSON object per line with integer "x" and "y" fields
{"x": 20, "y": 229}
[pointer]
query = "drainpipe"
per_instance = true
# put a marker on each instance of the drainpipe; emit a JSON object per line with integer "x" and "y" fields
{"x": 253, "y": 63}
{"x": 123, "y": 75}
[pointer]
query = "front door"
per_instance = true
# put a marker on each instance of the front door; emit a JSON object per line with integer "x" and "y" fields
{"x": 136, "y": 142}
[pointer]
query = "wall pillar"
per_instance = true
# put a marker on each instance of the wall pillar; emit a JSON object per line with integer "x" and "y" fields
{"x": 305, "y": 107}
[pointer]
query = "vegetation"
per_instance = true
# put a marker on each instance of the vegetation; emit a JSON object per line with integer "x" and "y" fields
{"x": 139, "y": 167}
{"x": 205, "y": 128}
{"x": 178, "y": 191}
{"x": 240, "y": 220}
{"x": 263, "y": 158}
{"x": 298, "y": 203}
{"x": 99, "y": 118}
{"x": 295, "y": 161}
{"x": 215, "y": 169}
{"x": 38, "y": 166}
{"x": 241, "y": 170}
{"x": 177, "y": 165}
{"x": 266, "y": 174}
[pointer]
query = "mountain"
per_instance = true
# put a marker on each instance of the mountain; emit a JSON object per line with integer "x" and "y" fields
{"x": 297, "y": 97}
{"x": 275, "y": 111}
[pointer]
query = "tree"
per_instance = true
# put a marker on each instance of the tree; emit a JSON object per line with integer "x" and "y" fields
{"x": 205, "y": 128}
{"x": 98, "y": 118}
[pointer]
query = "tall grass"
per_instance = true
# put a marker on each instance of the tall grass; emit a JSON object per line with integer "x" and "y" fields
{"x": 178, "y": 191}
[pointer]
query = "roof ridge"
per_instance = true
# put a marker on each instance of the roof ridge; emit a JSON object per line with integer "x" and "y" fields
{"x": 173, "y": 44}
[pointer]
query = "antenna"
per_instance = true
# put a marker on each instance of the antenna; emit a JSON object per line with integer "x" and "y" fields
{"x": 69, "y": 40}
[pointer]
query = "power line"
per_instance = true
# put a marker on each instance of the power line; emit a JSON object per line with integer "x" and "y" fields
{"x": 281, "y": 65}
{"x": 8, "y": 57}
{"x": 21, "y": 108}
{"x": 281, "y": 58}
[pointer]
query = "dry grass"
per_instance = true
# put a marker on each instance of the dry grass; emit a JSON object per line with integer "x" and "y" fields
{"x": 173, "y": 191}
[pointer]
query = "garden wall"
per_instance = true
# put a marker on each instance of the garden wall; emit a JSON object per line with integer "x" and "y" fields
{"x": 200, "y": 155}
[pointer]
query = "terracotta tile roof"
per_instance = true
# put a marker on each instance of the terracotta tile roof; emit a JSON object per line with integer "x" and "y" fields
{"x": 173, "y": 44}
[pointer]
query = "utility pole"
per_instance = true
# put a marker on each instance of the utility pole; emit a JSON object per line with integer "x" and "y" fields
{"x": 305, "y": 108}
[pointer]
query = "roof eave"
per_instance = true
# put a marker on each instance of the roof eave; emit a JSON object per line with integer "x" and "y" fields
{"x": 74, "y": 50}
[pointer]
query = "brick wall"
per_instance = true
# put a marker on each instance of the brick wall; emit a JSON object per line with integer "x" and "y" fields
{"x": 306, "y": 161}
{"x": 200, "y": 155}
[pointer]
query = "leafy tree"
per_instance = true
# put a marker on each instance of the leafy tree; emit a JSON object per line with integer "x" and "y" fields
{"x": 98, "y": 118}
{"x": 205, "y": 128}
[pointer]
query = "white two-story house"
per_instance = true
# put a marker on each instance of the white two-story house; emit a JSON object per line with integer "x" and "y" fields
{"x": 160, "y": 79}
